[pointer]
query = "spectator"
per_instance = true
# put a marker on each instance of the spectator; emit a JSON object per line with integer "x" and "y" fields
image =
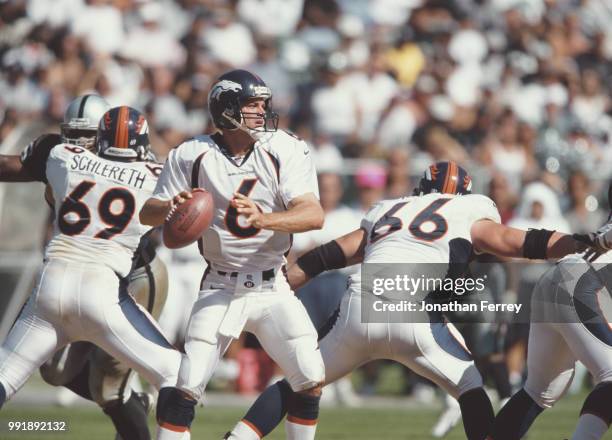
{"x": 584, "y": 213}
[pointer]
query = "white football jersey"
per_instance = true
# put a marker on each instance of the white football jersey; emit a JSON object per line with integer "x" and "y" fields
{"x": 424, "y": 229}
{"x": 278, "y": 169}
{"x": 97, "y": 202}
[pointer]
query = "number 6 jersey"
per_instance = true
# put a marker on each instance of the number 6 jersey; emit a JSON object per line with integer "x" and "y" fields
{"x": 96, "y": 203}
{"x": 275, "y": 171}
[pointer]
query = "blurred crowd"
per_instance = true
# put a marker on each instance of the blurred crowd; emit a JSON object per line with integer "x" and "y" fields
{"x": 516, "y": 91}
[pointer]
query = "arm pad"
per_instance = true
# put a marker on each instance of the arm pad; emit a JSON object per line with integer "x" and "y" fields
{"x": 325, "y": 257}
{"x": 536, "y": 243}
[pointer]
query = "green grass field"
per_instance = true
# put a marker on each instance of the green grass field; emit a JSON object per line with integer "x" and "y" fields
{"x": 335, "y": 423}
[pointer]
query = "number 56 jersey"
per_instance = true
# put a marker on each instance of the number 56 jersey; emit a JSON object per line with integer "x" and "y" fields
{"x": 97, "y": 202}
{"x": 433, "y": 228}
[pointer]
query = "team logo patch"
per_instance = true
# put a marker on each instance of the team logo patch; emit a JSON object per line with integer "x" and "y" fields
{"x": 224, "y": 86}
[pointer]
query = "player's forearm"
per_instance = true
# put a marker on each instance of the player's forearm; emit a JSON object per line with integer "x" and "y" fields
{"x": 511, "y": 242}
{"x": 155, "y": 211}
{"x": 12, "y": 170}
{"x": 299, "y": 218}
{"x": 296, "y": 277}
{"x": 561, "y": 245}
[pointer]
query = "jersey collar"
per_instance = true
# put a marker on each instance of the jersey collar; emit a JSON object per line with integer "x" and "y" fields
{"x": 226, "y": 152}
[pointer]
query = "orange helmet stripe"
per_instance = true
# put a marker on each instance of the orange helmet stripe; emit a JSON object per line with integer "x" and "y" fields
{"x": 121, "y": 133}
{"x": 454, "y": 178}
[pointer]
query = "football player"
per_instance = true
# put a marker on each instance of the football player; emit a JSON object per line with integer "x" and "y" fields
{"x": 570, "y": 321}
{"x": 264, "y": 188}
{"x": 82, "y": 367}
{"x": 440, "y": 225}
{"x": 93, "y": 373}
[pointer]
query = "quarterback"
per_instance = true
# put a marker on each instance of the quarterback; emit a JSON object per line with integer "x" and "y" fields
{"x": 264, "y": 188}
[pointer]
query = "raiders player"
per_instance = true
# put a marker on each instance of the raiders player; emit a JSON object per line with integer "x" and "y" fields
{"x": 103, "y": 378}
{"x": 570, "y": 321}
{"x": 264, "y": 188}
{"x": 441, "y": 225}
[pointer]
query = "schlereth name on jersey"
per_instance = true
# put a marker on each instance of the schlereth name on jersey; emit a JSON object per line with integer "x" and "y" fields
{"x": 125, "y": 175}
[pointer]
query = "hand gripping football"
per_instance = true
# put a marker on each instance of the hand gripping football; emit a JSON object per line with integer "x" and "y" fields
{"x": 188, "y": 221}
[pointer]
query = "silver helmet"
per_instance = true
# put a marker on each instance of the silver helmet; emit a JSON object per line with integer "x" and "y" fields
{"x": 81, "y": 120}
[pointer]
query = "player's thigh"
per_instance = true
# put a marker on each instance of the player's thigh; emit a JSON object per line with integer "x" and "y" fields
{"x": 66, "y": 363}
{"x": 591, "y": 345}
{"x": 550, "y": 364}
{"x": 148, "y": 285}
{"x": 436, "y": 351}
{"x": 321, "y": 296}
{"x": 344, "y": 348}
{"x": 31, "y": 341}
{"x": 203, "y": 344}
{"x": 132, "y": 336}
{"x": 108, "y": 378}
{"x": 289, "y": 337}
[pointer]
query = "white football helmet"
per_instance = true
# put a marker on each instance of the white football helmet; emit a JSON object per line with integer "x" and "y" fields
{"x": 81, "y": 120}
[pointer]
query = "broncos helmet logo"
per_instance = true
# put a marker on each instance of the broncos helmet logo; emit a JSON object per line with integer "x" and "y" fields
{"x": 224, "y": 86}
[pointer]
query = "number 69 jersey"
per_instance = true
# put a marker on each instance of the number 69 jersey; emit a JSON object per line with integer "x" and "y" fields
{"x": 425, "y": 229}
{"x": 96, "y": 206}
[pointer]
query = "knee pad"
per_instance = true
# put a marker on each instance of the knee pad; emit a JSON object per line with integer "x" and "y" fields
{"x": 310, "y": 371}
{"x": 175, "y": 408}
{"x": 301, "y": 406}
{"x": 598, "y": 402}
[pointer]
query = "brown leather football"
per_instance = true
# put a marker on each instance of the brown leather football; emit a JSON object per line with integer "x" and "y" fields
{"x": 188, "y": 221}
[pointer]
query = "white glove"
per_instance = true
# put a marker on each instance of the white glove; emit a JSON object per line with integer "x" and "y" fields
{"x": 601, "y": 240}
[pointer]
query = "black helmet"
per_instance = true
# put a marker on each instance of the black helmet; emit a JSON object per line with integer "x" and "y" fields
{"x": 229, "y": 93}
{"x": 123, "y": 133}
{"x": 444, "y": 178}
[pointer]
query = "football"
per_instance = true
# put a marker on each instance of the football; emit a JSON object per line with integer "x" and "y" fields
{"x": 188, "y": 221}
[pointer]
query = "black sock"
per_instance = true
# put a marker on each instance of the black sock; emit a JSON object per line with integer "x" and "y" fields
{"x": 2, "y": 395}
{"x": 501, "y": 378}
{"x": 516, "y": 417}
{"x": 477, "y": 413}
{"x": 129, "y": 418}
{"x": 80, "y": 383}
{"x": 270, "y": 408}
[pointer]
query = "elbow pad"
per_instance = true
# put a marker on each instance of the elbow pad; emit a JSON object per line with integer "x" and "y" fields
{"x": 325, "y": 257}
{"x": 536, "y": 243}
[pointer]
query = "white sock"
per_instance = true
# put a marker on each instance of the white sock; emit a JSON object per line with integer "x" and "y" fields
{"x": 168, "y": 434}
{"x": 589, "y": 427}
{"x": 244, "y": 431}
{"x": 299, "y": 431}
